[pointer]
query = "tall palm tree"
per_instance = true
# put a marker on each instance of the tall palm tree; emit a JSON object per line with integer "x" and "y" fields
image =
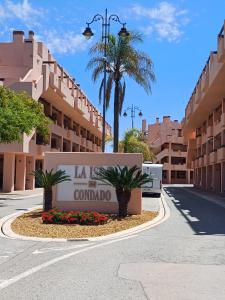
{"x": 122, "y": 60}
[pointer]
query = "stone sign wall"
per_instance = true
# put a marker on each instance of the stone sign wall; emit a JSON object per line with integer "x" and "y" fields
{"x": 83, "y": 185}
{"x": 84, "y": 192}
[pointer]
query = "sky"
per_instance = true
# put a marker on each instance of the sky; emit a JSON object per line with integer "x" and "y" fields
{"x": 178, "y": 36}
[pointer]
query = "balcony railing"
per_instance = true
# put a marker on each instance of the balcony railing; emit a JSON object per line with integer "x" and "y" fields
{"x": 221, "y": 45}
{"x": 209, "y": 131}
{"x": 213, "y": 157}
{"x": 221, "y": 154}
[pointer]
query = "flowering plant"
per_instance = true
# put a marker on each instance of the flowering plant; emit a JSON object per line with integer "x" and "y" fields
{"x": 73, "y": 217}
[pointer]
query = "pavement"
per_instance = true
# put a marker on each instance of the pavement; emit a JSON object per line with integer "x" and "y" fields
{"x": 19, "y": 200}
{"x": 20, "y": 195}
{"x": 182, "y": 258}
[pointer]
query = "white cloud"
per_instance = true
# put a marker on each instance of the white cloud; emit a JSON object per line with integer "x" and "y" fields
{"x": 64, "y": 43}
{"x": 166, "y": 20}
{"x": 22, "y": 11}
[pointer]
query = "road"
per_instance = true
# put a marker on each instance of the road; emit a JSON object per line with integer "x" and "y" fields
{"x": 182, "y": 258}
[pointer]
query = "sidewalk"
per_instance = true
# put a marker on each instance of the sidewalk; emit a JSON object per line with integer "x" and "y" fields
{"x": 16, "y": 195}
{"x": 210, "y": 196}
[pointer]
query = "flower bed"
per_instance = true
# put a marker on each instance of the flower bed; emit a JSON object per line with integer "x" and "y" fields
{"x": 31, "y": 224}
{"x": 74, "y": 217}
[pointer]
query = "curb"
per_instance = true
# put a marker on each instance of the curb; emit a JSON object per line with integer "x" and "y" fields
{"x": 6, "y": 231}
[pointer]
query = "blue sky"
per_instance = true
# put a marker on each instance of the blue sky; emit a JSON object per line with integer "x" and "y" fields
{"x": 178, "y": 36}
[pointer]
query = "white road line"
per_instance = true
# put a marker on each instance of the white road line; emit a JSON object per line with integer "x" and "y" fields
{"x": 33, "y": 270}
{"x": 50, "y": 249}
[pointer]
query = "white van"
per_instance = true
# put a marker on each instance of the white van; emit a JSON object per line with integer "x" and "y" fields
{"x": 155, "y": 171}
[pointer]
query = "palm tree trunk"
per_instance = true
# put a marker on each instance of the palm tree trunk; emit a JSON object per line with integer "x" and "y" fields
{"x": 123, "y": 199}
{"x": 47, "y": 199}
{"x": 116, "y": 118}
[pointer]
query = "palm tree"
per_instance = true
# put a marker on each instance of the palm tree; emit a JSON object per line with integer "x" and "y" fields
{"x": 47, "y": 180}
{"x": 124, "y": 180}
{"x": 122, "y": 60}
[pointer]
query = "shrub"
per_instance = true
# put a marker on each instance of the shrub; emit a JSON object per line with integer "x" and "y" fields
{"x": 73, "y": 217}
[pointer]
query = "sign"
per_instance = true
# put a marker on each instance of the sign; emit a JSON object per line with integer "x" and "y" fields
{"x": 83, "y": 186}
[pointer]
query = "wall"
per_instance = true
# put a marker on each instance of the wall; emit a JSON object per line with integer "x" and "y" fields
{"x": 52, "y": 160}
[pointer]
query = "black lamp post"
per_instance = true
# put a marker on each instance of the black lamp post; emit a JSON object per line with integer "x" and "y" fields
{"x": 106, "y": 20}
{"x": 132, "y": 110}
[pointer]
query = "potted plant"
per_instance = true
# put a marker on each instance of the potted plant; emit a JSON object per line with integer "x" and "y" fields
{"x": 124, "y": 180}
{"x": 47, "y": 180}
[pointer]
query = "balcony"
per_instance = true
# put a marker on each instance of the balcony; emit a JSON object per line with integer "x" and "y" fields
{"x": 83, "y": 142}
{"x": 221, "y": 154}
{"x": 209, "y": 132}
{"x": 214, "y": 67}
{"x": 205, "y": 78}
{"x": 162, "y": 154}
{"x": 217, "y": 128}
{"x": 181, "y": 167}
{"x": 94, "y": 148}
{"x": 198, "y": 93}
{"x": 78, "y": 104}
{"x": 223, "y": 120}
{"x": 176, "y": 139}
{"x": 189, "y": 109}
{"x": 54, "y": 81}
{"x": 196, "y": 163}
{"x": 204, "y": 138}
{"x": 221, "y": 47}
{"x": 178, "y": 153}
{"x": 199, "y": 141}
{"x": 166, "y": 166}
{"x": 206, "y": 159}
{"x": 213, "y": 157}
{"x": 76, "y": 139}
{"x": 89, "y": 144}
{"x": 201, "y": 161}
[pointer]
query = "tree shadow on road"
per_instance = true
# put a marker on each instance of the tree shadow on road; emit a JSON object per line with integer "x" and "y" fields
{"x": 204, "y": 217}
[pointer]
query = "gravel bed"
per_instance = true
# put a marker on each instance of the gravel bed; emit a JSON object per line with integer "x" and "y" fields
{"x": 30, "y": 224}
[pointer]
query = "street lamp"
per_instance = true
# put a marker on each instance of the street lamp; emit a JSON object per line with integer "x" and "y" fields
{"x": 133, "y": 109}
{"x": 88, "y": 33}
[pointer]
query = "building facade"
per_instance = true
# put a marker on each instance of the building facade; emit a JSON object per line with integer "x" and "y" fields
{"x": 27, "y": 65}
{"x": 167, "y": 143}
{"x": 204, "y": 123}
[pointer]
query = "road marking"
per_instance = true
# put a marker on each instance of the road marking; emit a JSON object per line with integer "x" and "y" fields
{"x": 33, "y": 270}
{"x": 4, "y": 256}
{"x": 50, "y": 249}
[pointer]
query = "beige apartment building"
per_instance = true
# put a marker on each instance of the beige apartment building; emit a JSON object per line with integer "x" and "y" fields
{"x": 204, "y": 123}
{"x": 27, "y": 65}
{"x": 167, "y": 143}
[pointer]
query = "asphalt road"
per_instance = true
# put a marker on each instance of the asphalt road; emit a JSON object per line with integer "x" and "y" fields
{"x": 182, "y": 258}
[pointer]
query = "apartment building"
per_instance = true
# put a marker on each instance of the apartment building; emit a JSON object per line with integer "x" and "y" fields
{"x": 27, "y": 65}
{"x": 167, "y": 142}
{"x": 204, "y": 123}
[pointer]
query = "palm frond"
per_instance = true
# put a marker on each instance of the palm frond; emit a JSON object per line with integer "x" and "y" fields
{"x": 50, "y": 178}
{"x": 123, "y": 178}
